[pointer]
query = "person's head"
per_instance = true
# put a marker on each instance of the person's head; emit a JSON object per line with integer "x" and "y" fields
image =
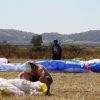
{"x": 29, "y": 66}
{"x": 55, "y": 41}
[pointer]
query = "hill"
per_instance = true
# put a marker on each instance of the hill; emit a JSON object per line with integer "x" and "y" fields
{"x": 89, "y": 38}
{"x": 15, "y": 36}
{"x": 20, "y": 37}
{"x": 92, "y": 36}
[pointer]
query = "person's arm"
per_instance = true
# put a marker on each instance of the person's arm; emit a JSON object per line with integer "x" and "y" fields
{"x": 59, "y": 49}
{"x": 42, "y": 78}
{"x": 21, "y": 75}
{"x": 52, "y": 49}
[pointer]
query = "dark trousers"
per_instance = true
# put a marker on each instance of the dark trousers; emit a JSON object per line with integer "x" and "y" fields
{"x": 56, "y": 57}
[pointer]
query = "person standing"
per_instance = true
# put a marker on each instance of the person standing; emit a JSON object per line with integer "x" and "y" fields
{"x": 56, "y": 50}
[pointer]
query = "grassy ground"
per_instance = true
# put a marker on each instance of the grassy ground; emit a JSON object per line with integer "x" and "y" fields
{"x": 66, "y": 86}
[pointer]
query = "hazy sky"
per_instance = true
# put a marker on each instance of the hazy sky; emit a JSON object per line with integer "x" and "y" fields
{"x": 39, "y": 16}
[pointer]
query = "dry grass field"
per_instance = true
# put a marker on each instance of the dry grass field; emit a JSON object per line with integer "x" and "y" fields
{"x": 66, "y": 86}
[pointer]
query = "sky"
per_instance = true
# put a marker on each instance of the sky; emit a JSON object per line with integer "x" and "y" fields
{"x": 45, "y": 16}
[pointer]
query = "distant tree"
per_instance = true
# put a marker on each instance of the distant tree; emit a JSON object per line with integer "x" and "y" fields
{"x": 36, "y": 40}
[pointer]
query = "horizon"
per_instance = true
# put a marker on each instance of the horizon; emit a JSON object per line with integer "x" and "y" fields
{"x": 47, "y": 32}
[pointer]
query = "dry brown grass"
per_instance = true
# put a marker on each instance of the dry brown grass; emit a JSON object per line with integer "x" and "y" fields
{"x": 66, "y": 86}
{"x": 68, "y": 52}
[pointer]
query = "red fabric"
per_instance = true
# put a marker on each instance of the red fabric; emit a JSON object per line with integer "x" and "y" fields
{"x": 9, "y": 61}
{"x": 89, "y": 67}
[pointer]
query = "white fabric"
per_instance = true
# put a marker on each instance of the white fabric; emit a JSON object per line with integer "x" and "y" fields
{"x": 92, "y": 61}
{"x": 21, "y": 87}
{"x": 3, "y": 60}
{"x": 12, "y": 66}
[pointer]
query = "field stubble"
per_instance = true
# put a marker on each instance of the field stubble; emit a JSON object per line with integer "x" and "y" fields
{"x": 66, "y": 86}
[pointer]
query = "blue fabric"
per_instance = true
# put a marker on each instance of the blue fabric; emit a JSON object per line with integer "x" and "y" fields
{"x": 51, "y": 65}
{"x": 66, "y": 66}
{"x": 95, "y": 67}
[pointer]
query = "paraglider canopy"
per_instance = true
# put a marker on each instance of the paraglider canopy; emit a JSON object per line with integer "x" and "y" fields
{"x": 5, "y": 60}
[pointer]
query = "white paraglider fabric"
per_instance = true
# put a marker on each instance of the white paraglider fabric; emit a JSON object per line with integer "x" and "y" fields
{"x": 22, "y": 87}
{"x": 3, "y": 60}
